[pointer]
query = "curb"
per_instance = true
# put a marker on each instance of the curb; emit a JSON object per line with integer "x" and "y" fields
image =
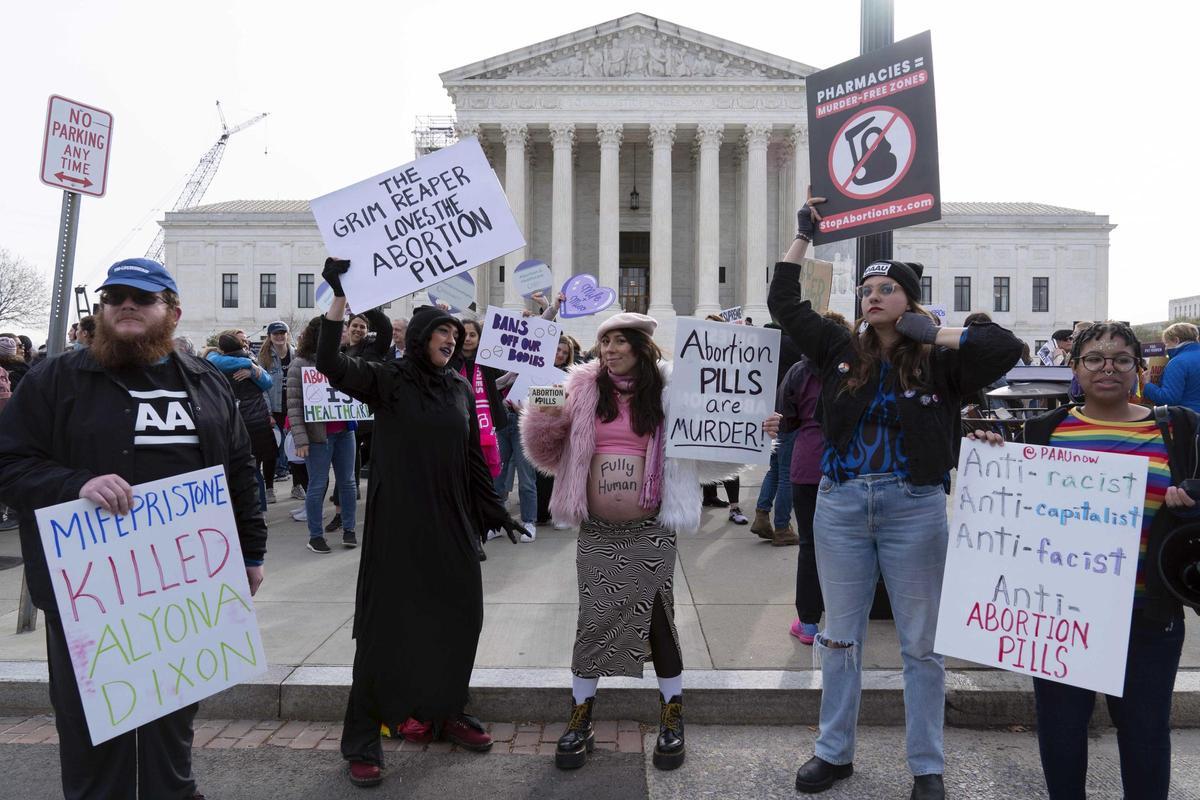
{"x": 974, "y": 698}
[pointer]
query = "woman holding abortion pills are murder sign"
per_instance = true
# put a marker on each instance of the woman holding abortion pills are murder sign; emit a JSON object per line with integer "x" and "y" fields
{"x": 606, "y": 450}
{"x": 1107, "y": 359}
{"x": 418, "y": 610}
{"x": 890, "y": 399}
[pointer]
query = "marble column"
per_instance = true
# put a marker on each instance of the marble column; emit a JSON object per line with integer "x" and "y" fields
{"x": 609, "y": 135}
{"x": 754, "y": 279}
{"x": 662, "y": 138}
{"x": 709, "y": 220}
{"x": 483, "y": 273}
{"x": 515, "y": 137}
{"x": 800, "y": 173}
{"x": 785, "y": 189}
{"x": 562, "y": 215}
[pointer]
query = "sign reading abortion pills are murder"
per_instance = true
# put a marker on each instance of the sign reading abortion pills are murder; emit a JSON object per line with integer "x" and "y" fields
{"x": 515, "y": 343}
{"x": 722, "y": 389}
{"x": 155, "y": 604}
{"x": 1042, "y": 562}
{"x": 547, "y": 376}
{"x": 323, "y": 403}
{"x": 409, "y": 228}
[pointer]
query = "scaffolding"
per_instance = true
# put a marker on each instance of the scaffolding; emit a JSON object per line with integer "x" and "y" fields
{"x": 433, "y": 133}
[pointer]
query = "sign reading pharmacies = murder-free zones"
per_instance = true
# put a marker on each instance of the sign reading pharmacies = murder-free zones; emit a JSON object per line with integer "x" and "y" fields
{"x": 873, "y": 150}
{"x": 155, "y": 604}
{"x": 412, "y": 227}
{"x": 323, "y": 403}
{"x": 514, "y": 343}
{"x": 722, "y": 389}
{"x": 1042, "y": 562}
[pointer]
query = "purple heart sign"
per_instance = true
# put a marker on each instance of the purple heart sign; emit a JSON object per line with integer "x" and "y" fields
{"x": 457, "y": 291}
{"x": 585, "y": 297}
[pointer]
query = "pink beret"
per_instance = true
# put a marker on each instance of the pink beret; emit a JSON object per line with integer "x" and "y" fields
{"x": 628, "y": 319}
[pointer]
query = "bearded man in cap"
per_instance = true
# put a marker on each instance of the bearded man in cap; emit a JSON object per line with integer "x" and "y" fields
{"x": 93, "y": 424}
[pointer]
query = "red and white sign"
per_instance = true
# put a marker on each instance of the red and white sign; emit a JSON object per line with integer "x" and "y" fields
{"x": 75, "y": 153}
{"x": 872, "y": 152}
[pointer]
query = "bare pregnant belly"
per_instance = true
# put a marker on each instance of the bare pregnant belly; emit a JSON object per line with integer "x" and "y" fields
{"x": 615, "y": 486}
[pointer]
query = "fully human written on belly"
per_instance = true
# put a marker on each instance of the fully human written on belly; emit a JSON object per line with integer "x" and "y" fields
{"x": 615, "y": 487}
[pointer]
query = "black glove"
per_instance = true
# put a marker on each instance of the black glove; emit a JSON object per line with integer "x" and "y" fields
{"x": 335, "y": 268}
{"x": 513, "y": 528}
{"x": 917, "y": 326}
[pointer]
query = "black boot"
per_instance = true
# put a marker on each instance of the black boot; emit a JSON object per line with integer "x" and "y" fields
{"x": 668, "y": 751}
{"x": 928, "y": 787}
{"x": 817, "y": 775}
{"x": 579, "y": 738}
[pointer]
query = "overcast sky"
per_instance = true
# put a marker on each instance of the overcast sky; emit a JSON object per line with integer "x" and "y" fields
{"x": 1077, "y": 104}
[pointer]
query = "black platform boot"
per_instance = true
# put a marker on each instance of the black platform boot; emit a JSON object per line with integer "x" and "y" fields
{"x": 668, "y": 751}
{"x": 579, "y": 738}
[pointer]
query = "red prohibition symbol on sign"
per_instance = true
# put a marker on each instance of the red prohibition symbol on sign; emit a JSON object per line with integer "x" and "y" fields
{"x": 872, "y": 152}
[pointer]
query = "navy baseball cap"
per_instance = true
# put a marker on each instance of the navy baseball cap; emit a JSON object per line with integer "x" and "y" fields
{"x": 140, "y": 273}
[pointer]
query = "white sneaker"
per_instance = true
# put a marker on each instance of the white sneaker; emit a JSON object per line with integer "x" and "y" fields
{"x": 530, "y": 532}
{"x": 299, "y": 515}
{"x": 494, "y": 533}
{"x": 561, "y": 526}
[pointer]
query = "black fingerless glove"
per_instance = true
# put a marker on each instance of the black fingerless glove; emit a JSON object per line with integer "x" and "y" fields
{"x": 806, "y": 226}
{"x": 513, "y": 528}
{"x": 917, "y": 326}
{"x": 335, "y": 268}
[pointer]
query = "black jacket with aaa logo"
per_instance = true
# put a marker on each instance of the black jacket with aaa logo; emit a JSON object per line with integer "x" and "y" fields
{"x": 71, "y": 421}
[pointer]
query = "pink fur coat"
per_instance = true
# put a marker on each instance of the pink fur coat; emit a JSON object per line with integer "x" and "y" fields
{"x": 563, "y": 446}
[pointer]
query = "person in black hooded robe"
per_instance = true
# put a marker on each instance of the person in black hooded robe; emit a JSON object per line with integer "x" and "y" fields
{"x": 418, "y": 609}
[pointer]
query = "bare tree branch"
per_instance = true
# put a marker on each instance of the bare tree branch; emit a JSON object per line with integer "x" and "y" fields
{"x": 24, "y": 292}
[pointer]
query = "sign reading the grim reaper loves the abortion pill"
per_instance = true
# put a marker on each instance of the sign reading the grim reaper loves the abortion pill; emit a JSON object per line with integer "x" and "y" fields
{"x": 155, "y": 604}
{"x": 412, "y": 227}
{"x": 722, "y": 389}
{"x": 1042, "y": 562}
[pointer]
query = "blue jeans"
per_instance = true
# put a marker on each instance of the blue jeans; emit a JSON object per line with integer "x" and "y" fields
{"x": 777, "y": 485}
{"x": 1142, "y": 717}
{"x": 338, "y": 450}
{"x": 513, "y": 460}
{"x": 865, "y": 526}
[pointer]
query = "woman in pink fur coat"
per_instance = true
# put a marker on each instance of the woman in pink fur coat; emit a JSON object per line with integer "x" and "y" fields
{"x": 612, "y": 479}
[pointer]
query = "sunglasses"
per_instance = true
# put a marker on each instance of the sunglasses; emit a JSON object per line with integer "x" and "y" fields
{"x": 118, "y": 296}
{"x": 885, "y": 290}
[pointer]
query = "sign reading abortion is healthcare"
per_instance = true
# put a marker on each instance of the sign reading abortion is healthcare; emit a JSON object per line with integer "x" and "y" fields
{"x": 155, "y": 604}
{"x": 409, "y": 228}
{"x": 323, "y": 403}
{"x": 873, "y": 131}
{"x": 1042, "y": 562}
{"x": 722, "y": 389}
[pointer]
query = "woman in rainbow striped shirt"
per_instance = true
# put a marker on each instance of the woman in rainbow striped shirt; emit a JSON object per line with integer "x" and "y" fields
{"x": 1107, "y": 359}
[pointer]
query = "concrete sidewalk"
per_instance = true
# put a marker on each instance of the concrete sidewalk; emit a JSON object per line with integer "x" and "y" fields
{"x": 734, "y": 598}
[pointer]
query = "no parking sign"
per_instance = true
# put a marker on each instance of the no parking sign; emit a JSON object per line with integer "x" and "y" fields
{"x": 873, "y": 132}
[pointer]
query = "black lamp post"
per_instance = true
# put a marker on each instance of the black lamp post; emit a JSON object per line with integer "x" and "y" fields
{"x": 635, "y": 199}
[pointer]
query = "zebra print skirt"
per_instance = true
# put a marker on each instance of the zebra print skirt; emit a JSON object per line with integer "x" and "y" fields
{"x": 622, "y": 568}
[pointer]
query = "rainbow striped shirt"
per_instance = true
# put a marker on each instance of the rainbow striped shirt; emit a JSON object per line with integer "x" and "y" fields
{"x": 1078, "y": 432}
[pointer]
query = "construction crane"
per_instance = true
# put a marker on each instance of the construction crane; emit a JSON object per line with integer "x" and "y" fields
{"x": 202, "y": 175}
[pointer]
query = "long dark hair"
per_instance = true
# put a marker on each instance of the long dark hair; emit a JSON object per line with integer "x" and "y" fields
{"x": 306, "y": 345}
{"x": 645, "y": 406}
{"x": 909, "y": 358}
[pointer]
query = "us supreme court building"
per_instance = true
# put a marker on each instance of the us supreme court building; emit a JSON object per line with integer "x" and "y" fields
{"x": 669, "y": 163}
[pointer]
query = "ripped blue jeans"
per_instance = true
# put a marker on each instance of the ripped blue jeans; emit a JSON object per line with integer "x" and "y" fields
{"x": 863, "y": 527}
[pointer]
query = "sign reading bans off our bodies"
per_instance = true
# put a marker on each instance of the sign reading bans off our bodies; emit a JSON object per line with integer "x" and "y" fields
{"x": 873, "y": 150}
{"x": 323, "y": 403}
{"x": 514, "y": 343}
{"x": 412, "y": 227}
{"x": 1042, "y": 561}
{"x": 155, "y": 604}
{"x": 722, "y": 389}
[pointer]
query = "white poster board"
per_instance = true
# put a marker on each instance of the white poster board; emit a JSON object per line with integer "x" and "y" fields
{"x": 514, "y": 343}
{"x": 733, "y": 315}
{"x": 722, "y": 389}
{"x": 457, "y": 292}
{"x": 533, "y": 276}
{"x": 155, "y": 604}
{"x": 1041, "y": 562}
{"x": 550, "y": 376}
{"x": 409, "y": 228}
{"x": 323, "y": 403}
{"x": 940, "y": 312}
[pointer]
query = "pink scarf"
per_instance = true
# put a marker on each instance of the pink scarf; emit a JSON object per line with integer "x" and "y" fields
{"x": 487, "y": 432}
{"x": 655, "y": 453}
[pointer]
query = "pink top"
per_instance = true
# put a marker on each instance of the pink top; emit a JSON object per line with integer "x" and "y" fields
{"x": 617, "y": 437}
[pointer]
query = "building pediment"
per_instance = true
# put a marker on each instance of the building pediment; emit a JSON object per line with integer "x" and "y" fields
{"x": 637, "y": 48}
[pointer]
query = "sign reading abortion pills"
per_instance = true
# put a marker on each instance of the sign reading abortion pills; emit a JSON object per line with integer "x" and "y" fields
{"x": 409, "y": 228}
{"x": 155, "y": 604}
{"x": 515, "y": 343}
{"x": 722, "y": 390}
{"x": 1042, "y": 561}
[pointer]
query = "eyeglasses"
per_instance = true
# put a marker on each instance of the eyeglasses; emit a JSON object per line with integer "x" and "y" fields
{"x": 117, "y": 296}
{"x": 1094, "y": 362}
{"x": 885, "y": 290}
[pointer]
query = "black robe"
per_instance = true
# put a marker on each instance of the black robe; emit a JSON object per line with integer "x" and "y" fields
{"x": 418, "y": 611}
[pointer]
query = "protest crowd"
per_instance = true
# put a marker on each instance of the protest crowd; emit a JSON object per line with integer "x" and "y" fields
{"x": 866, "y": 427}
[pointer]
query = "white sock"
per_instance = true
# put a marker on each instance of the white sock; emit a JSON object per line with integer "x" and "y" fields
{"x": 583, "y": 688}
{"x": 671, "y": 687}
